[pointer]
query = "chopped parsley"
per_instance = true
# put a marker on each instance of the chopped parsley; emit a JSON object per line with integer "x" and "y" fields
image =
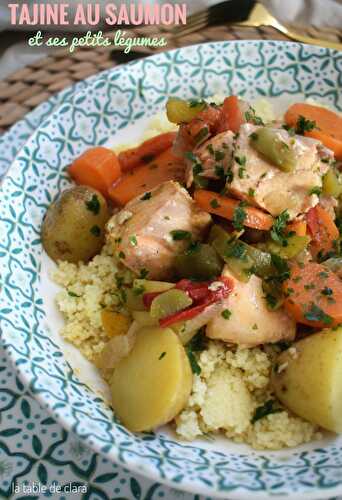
{"x": 281, "y": 267}
{"x": 73, "y": 294}
{"x": 239, "y": 216}
{"x": 93, "y": 205}
{"x": 146, "y": 196}
{"x": 251, "y": 117}
{"x": 264, "y": 410}
{"x": 304, "y": 125}
{"x": 214, "y": 203}
{"x": 253, "y": 136}
{"x": 316, "y": 190}
{"x": 219, "y": 155}
{"x": 255, "y": 326}
{"x": 133, "y": 240}
{"x": 219, "y": 171}
{"x": 143, "y": 273}
{"x": 138, "y": 290}
{"x": 241, "y": 160}
{"x": 193, "y": 103}
{"x": 180, "y": 234}
{"x": 226, "y": 314}
{"x": 327, "y": 291}
{"x": 278, "y": 229}
{"x": 237, "y": 250}
{"x": 197, "y": 344}
{"x": 122, "y": 255}
{"x": 211, "y": 149}
{"x": 163, "y": 354}
{"x": 95, "y": 231}
{"x": 315, "y": 313}
{"x": 272, "y": 300}
{"x": 251, "y": 192}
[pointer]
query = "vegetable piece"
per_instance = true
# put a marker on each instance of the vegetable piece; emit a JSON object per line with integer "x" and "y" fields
{"x": 310, "y": 383}
{"x": 98, "y": 168}
{"x": 298, "y": 227}
{"x": 227, "y": 207}
{"x": 278, "y": 152}
{"x": 169, "y": 302}
{"x": 152, "y": 286}
{"x": 115, "y": 350}
{"x": 331, "y": 184}
{"x": 306, "y": 300}
{"x": 74, "y": 225}
{"x": 134, "y": 299}
{"x": 144, "y": 318}
{"x": 295, "y": 245}
{"x": 149, "y": 388}
{"x": 146, "y": 152}
{"x": 231, "y": 116}
{"x": 335, "y": 265}
{"x": 269, "y": 407}
{"x": 328, "y": 123}
{"x": 144, "y": 178}
{"x": 241, "y": 258}
{"x": 203, "y": 294}
{"x": 200, "y": 262}
{"x": 187, "y": 329}
{"x": 180, "y": 111}
{"x": 114, "y": 323}
{"x": 322, "y": 229}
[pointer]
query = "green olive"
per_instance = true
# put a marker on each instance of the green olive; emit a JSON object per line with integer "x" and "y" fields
{"x": 74, "y": 225}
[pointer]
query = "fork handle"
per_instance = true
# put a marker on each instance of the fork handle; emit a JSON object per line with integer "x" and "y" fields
{"x": 308, "y": 39}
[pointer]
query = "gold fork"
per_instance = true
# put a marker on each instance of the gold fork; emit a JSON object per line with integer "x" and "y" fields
{"x": 258, "y": 17}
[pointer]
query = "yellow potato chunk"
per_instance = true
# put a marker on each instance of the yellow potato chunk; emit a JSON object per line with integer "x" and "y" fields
{"x": 308, "y": 379}
{"x": 153, "y": 383}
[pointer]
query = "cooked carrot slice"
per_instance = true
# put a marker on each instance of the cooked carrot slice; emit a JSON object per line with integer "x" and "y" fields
{"x": 231, "y": 117}
{"x": 322, "y": 229}
{"x": 145, "y": 177}
{"x": 298, "y": 227}
{"x": 226, "y": 207}
{"x": 328, "y": 123}
{"x": 97, "y": 167}
{"x": 147, "y": 151}
{"x": 314, "y": 295}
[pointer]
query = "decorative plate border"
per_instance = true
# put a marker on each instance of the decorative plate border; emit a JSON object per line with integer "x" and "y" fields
{"x": 93, "y": 116}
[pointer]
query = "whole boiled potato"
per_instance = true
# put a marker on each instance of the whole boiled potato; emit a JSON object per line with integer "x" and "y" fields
{"x": 152, "y": 384}
{"x": 308, "y": 379}
{"x": 74, "y": 225}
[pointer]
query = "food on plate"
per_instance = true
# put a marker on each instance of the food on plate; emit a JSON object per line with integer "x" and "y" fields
{"x": 152, "y": 384}
{"x": 74, "y": 225}
{"x": 214, "y": 292}
{"x": 315, "y": 395}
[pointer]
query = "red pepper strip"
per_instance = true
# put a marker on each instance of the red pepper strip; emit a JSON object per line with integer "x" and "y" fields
{"x": 195, "y": 289}
{"x": 192, "y": 311}
{"x": 149, "y": 297}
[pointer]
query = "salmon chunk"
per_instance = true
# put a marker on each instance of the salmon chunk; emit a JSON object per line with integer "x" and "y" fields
{"x": 266, "y": 186}
{"x": 153, "y": 228}
{"x": 212, "y": 159}
{"x": 250, "y": 322}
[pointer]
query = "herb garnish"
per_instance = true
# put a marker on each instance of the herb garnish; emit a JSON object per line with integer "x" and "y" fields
{"x": 93, "y": 205}
{"x": 237, "y": 250}
{"x": 265, "y": 409}
{"x": 316, "y": 190}
{"x": 122, "y": 255}
{"x": 315, "y": 313}
{"x": 251, "y": 117}
{"x": 163, "y": 354}
{"x": 278, "y": 229}
{"x": 73, "y": 294}
{"x": 95, "y": 231}
{"x": 197, "y": 344}
{"x": 143, "y": 273}
{"x": 226, "y": 314}
{"x": 180, "y": 234}
{"x": 133, "y": 240}
{"x": 304, "y": 125}
{"x": 214, "y": 203}
{"x": 146, "y": 196}
{"x": 327, "y": 291}
{"x": 239, "y": 216}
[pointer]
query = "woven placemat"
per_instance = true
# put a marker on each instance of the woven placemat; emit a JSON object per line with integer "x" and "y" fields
{"x": 25, "y": 89}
